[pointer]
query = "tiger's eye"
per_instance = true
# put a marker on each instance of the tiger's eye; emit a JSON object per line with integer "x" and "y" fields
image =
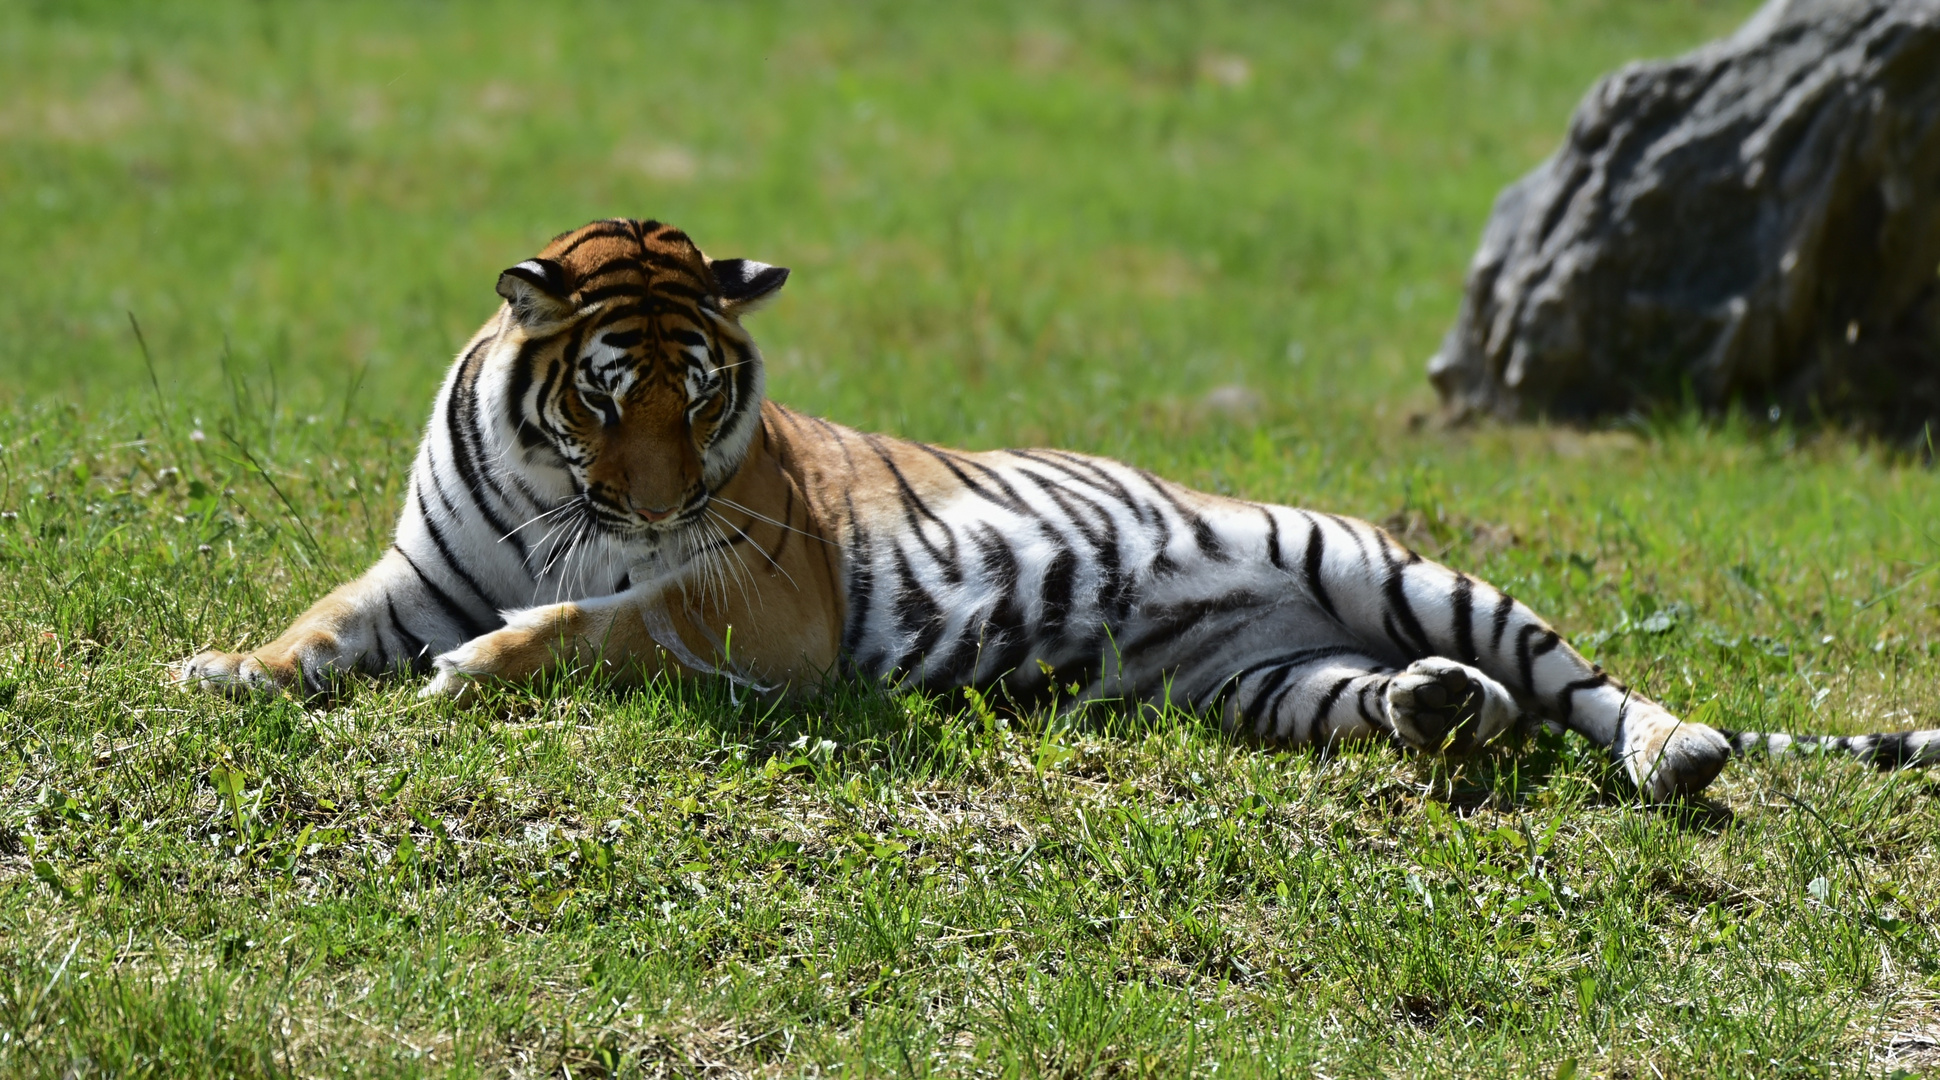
{"x": 601, "y": 404}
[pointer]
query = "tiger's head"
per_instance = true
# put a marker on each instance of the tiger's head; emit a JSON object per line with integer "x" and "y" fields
{"x": 627, "y": 369}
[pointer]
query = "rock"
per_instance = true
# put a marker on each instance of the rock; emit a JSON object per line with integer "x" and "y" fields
{"x": 1757, "y": 221}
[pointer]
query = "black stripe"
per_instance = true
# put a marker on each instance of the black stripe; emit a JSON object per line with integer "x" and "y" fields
{"x": 1208, "y": 541}
{"x": 834, "y": 431}
{"x": 376, "y": 662}
{"x": 557, "y": 377}
{"x": 593, "y": 232}
{"x": 1251, "y": 714}
{"x": 406, "y": 638}
{"x": 1316, "y": 550}
{"x": 862, "y": 583}
{"x": 1360, "y": 544}
{"x": 1327, "y": 703}
{"x": 1566, "y": 697}
{"x": 1006, "y": 626}
{"x": 609, "y": 292}
{"x": 660, "y": 288}
{"x": 919, "y": 619}
{"x": 444, "y": 551}
{"x": 962, "y": 477}
{"x": 1091, "y": 476}
{"x": 746, "y": 367}
{"x": 1295, "y": 659}
{"x": 1503, "y": 606}
{"x": 1169, "y": 621}
{"x": 1273, "y": 540}
{"x": 1464, "y": 620}
{"x": 453, "y": 611}
{"x": 1016, "y": 503}
{"x": 1055, "y": 594}
{"x": 913, "y": 505}
{"x": 1893, "y": 750}
{"x": 1374, "y": 720}
{"x": 1397, "y": 593}
{"x": 619, "y": 266}
{"x": 794, "y": 418}
{"x": 461, "y": 413}
{"x": 1524, "y": 662}
{"x": 1210, "y": 545}
{"x": 1116, "y": 590}
{"x": 1526, "y": 657}
{"x": 1273, "y": 709}
{"x": 1094, "y": 475}
{"x": 517, "y": 389}
{"x": 1401, "y": 645}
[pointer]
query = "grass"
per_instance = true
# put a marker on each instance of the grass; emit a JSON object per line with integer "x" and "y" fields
{"x": 1217, "y": 240}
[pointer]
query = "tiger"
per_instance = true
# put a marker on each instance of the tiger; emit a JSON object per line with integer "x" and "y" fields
{"x": 604, "y": 488}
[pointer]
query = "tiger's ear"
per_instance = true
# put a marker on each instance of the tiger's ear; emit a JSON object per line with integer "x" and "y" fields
{"x": 746, "y": 285}
{"x": 538, "y": 291}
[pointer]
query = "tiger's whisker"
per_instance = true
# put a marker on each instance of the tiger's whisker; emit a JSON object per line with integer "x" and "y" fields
{"x": 552, "y": 543}
{"x": 736, "y": 570}
{"x": 758, "y": 516}
{"x": 764, "y": 554}
{"x": 535, "y": 519}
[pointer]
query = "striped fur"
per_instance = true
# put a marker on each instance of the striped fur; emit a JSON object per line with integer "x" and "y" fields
{"x": 1889, "y": 750}
{"x": 603, "y": 486}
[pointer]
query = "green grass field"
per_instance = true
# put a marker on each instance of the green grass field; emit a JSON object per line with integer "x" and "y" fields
{"x": 1215, "y": 239}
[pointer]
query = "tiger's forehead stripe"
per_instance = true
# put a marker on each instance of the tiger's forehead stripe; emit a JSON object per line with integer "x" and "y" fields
{"x": 609, "y": 259}
{"x": 664, "y": 295}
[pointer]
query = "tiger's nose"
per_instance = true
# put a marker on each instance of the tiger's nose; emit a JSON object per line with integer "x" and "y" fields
{"x": 650, "y": 514}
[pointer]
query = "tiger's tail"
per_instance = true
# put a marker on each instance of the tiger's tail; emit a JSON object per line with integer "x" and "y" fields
{"x": 1894, "y": 750}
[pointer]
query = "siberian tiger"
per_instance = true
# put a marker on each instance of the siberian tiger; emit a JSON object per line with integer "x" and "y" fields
{"x": 604, "y": 486}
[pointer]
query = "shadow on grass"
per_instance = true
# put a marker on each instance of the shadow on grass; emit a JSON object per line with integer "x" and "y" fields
{"x": 855, "y": 726}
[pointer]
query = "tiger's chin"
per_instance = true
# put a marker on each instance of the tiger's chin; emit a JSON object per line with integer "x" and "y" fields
{"x": 659, "y": 557}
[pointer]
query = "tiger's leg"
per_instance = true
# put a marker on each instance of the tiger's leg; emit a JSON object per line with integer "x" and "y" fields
{"x": 1331, "y": 695}
{"x": 610, "y": 636}
{"x": 1398, "y": 601}
{"x": 391, "y": 616}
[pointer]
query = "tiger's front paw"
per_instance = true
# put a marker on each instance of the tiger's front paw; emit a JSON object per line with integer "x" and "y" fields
{"x": 1439, "y": 704}
{"x": 510, "y": 652}
{"x": 231, "y": 674}
{"x": 449, "y": 683}
{"x": 306, "y": 665}
{"x": 458, "y": 672}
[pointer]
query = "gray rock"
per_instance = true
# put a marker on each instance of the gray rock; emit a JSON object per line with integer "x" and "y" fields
{"x": 1757, "y": 221}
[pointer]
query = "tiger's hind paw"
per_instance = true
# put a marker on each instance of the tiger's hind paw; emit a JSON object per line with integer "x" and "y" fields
{"x": 1668, "y": 758}
{"x": 1441, "y": 705}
